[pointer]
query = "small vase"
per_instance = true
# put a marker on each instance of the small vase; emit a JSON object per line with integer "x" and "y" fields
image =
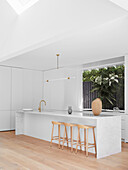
{"x": 69, "y": 109}
{"x": 97, "y": 106}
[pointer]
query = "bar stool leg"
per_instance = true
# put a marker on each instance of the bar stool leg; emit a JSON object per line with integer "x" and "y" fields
{"x": 71, "y": 130}
{"x": 77, "y": 139}
{"x": 87, "y": 144}
{"x": 52, "y": 134}
{"x": 66, "y": 135}
{"x": 94, "y": 142}
{"x": 85, "y": 139}
{"x": 59, "y": 135}
{"x": 64, "y": 138}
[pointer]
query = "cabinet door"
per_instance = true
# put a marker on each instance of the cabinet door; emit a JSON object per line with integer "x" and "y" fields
{"x": 27, "y": 89}
{"x": 12, "y": 119}
{"x": 37, "y": 86}
{"x": 4, "y": 120}
{"x": 126, "y": 129}
{"x": 17, "y": 89}
{"x": 32, "y": 88}
{"x": 5, "y": 88}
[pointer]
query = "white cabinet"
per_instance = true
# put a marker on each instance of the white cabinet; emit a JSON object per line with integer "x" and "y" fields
{"x": 5, "y": 88}
{"x": 5, "y": 97}
{"x": 32, "y": 88}
{"x": 12, "y": 120}
{"x": 37, "y": 88}
{"x": 4, "y": 120}
{"x": 126, "y": 129}
{"x": 27, "y": 89}
{"x": 17, "y": 89}
{"x": 123, "y": 120}
{"x": 17, "y": 94}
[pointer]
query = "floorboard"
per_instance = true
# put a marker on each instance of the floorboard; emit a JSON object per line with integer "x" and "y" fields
{"x": 27, "y": 153}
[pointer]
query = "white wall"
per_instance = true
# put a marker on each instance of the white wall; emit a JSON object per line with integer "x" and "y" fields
{"x": 60, "y": 94}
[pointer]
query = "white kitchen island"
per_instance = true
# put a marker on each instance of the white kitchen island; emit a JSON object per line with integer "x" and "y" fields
{"x": 107, "y": 131}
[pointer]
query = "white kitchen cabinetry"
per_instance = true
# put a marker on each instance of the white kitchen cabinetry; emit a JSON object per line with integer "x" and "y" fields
{"x": 4, "y": 120}
{"x": 17, "y": 89}
{"x": 17, "y": 94}
{"x": 5, "y": 88}
{"x": 12, "y": 120}
{"x": 26, "y": 90}
{"x": 5, "y": 97}
{"x": 32, "y": 88}
{"x": 126, "y": 128}
{"x": 37, "y": 88}
{"x": 123, "y": 120}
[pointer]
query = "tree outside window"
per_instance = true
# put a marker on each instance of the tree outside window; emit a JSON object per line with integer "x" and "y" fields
{"x": 105, "y": 83}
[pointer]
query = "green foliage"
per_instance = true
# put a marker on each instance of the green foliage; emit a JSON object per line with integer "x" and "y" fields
{"x": 107, "y": 82}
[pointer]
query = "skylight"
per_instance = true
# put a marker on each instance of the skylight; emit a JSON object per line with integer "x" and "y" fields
{"x": 21, "y": 5}
{"x": 122, "y": 3}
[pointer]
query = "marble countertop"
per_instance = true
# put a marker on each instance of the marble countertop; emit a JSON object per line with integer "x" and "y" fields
{"x": 75, "y": 114}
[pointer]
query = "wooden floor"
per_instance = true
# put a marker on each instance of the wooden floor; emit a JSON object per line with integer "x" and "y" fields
{"x": 24, "y": 153}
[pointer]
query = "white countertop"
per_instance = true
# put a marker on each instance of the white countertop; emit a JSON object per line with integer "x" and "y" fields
{"x": 83, "y": 115}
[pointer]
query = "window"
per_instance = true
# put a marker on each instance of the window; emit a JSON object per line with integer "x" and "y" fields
{"x": 106, "y": 83}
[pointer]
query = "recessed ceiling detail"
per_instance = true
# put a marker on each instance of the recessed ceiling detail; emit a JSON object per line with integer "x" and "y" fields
{"x": 121, "y": 3}
{"x": 21, "y": 5}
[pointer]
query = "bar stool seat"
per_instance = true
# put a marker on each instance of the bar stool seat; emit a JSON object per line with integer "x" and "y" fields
{"x": 85, "y": 142}
{"x": 58, "y": 138}
{"x": 69, "y": 140}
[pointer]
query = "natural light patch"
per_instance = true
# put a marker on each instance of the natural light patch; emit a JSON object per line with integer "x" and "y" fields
{"x": 21, "y": 5}
{"x": 122, "y": 3}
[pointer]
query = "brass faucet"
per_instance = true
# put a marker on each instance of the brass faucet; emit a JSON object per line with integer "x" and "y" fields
{"x": 40, "y": 105}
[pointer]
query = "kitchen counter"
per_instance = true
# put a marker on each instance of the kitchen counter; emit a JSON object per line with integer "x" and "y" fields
{"x": 108, "y": 127}
{"x": 83, "y": 115}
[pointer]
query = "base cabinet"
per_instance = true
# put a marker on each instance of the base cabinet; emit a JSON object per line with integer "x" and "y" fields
{"x": 126, "y": 129}
{"x": 12, "y": 120}
{"x": 5, "y": 123}
{"x": 123, "y": 120}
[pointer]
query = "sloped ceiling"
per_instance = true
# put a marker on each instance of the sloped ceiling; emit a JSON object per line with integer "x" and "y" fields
{"x": 121, "y": 3}
{"x": 20, "y": 6}
{"x": 107, "y": 41}
{"x": 74, "y": 28}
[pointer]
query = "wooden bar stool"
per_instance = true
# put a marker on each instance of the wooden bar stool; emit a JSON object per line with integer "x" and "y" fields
{"x": 58, "y": 138}
{"x": 85, "y": 142}
{"x": 68, "y": 140}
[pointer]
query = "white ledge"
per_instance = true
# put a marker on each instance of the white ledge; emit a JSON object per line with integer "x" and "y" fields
{"x": 83, "y": 115}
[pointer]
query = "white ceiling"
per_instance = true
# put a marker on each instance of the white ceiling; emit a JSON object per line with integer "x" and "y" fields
{"x": 20, "y": 6}
{"x": 107, "y": 41}
{"x": 81, "y": 31}
{"x": 121, "y": 3}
